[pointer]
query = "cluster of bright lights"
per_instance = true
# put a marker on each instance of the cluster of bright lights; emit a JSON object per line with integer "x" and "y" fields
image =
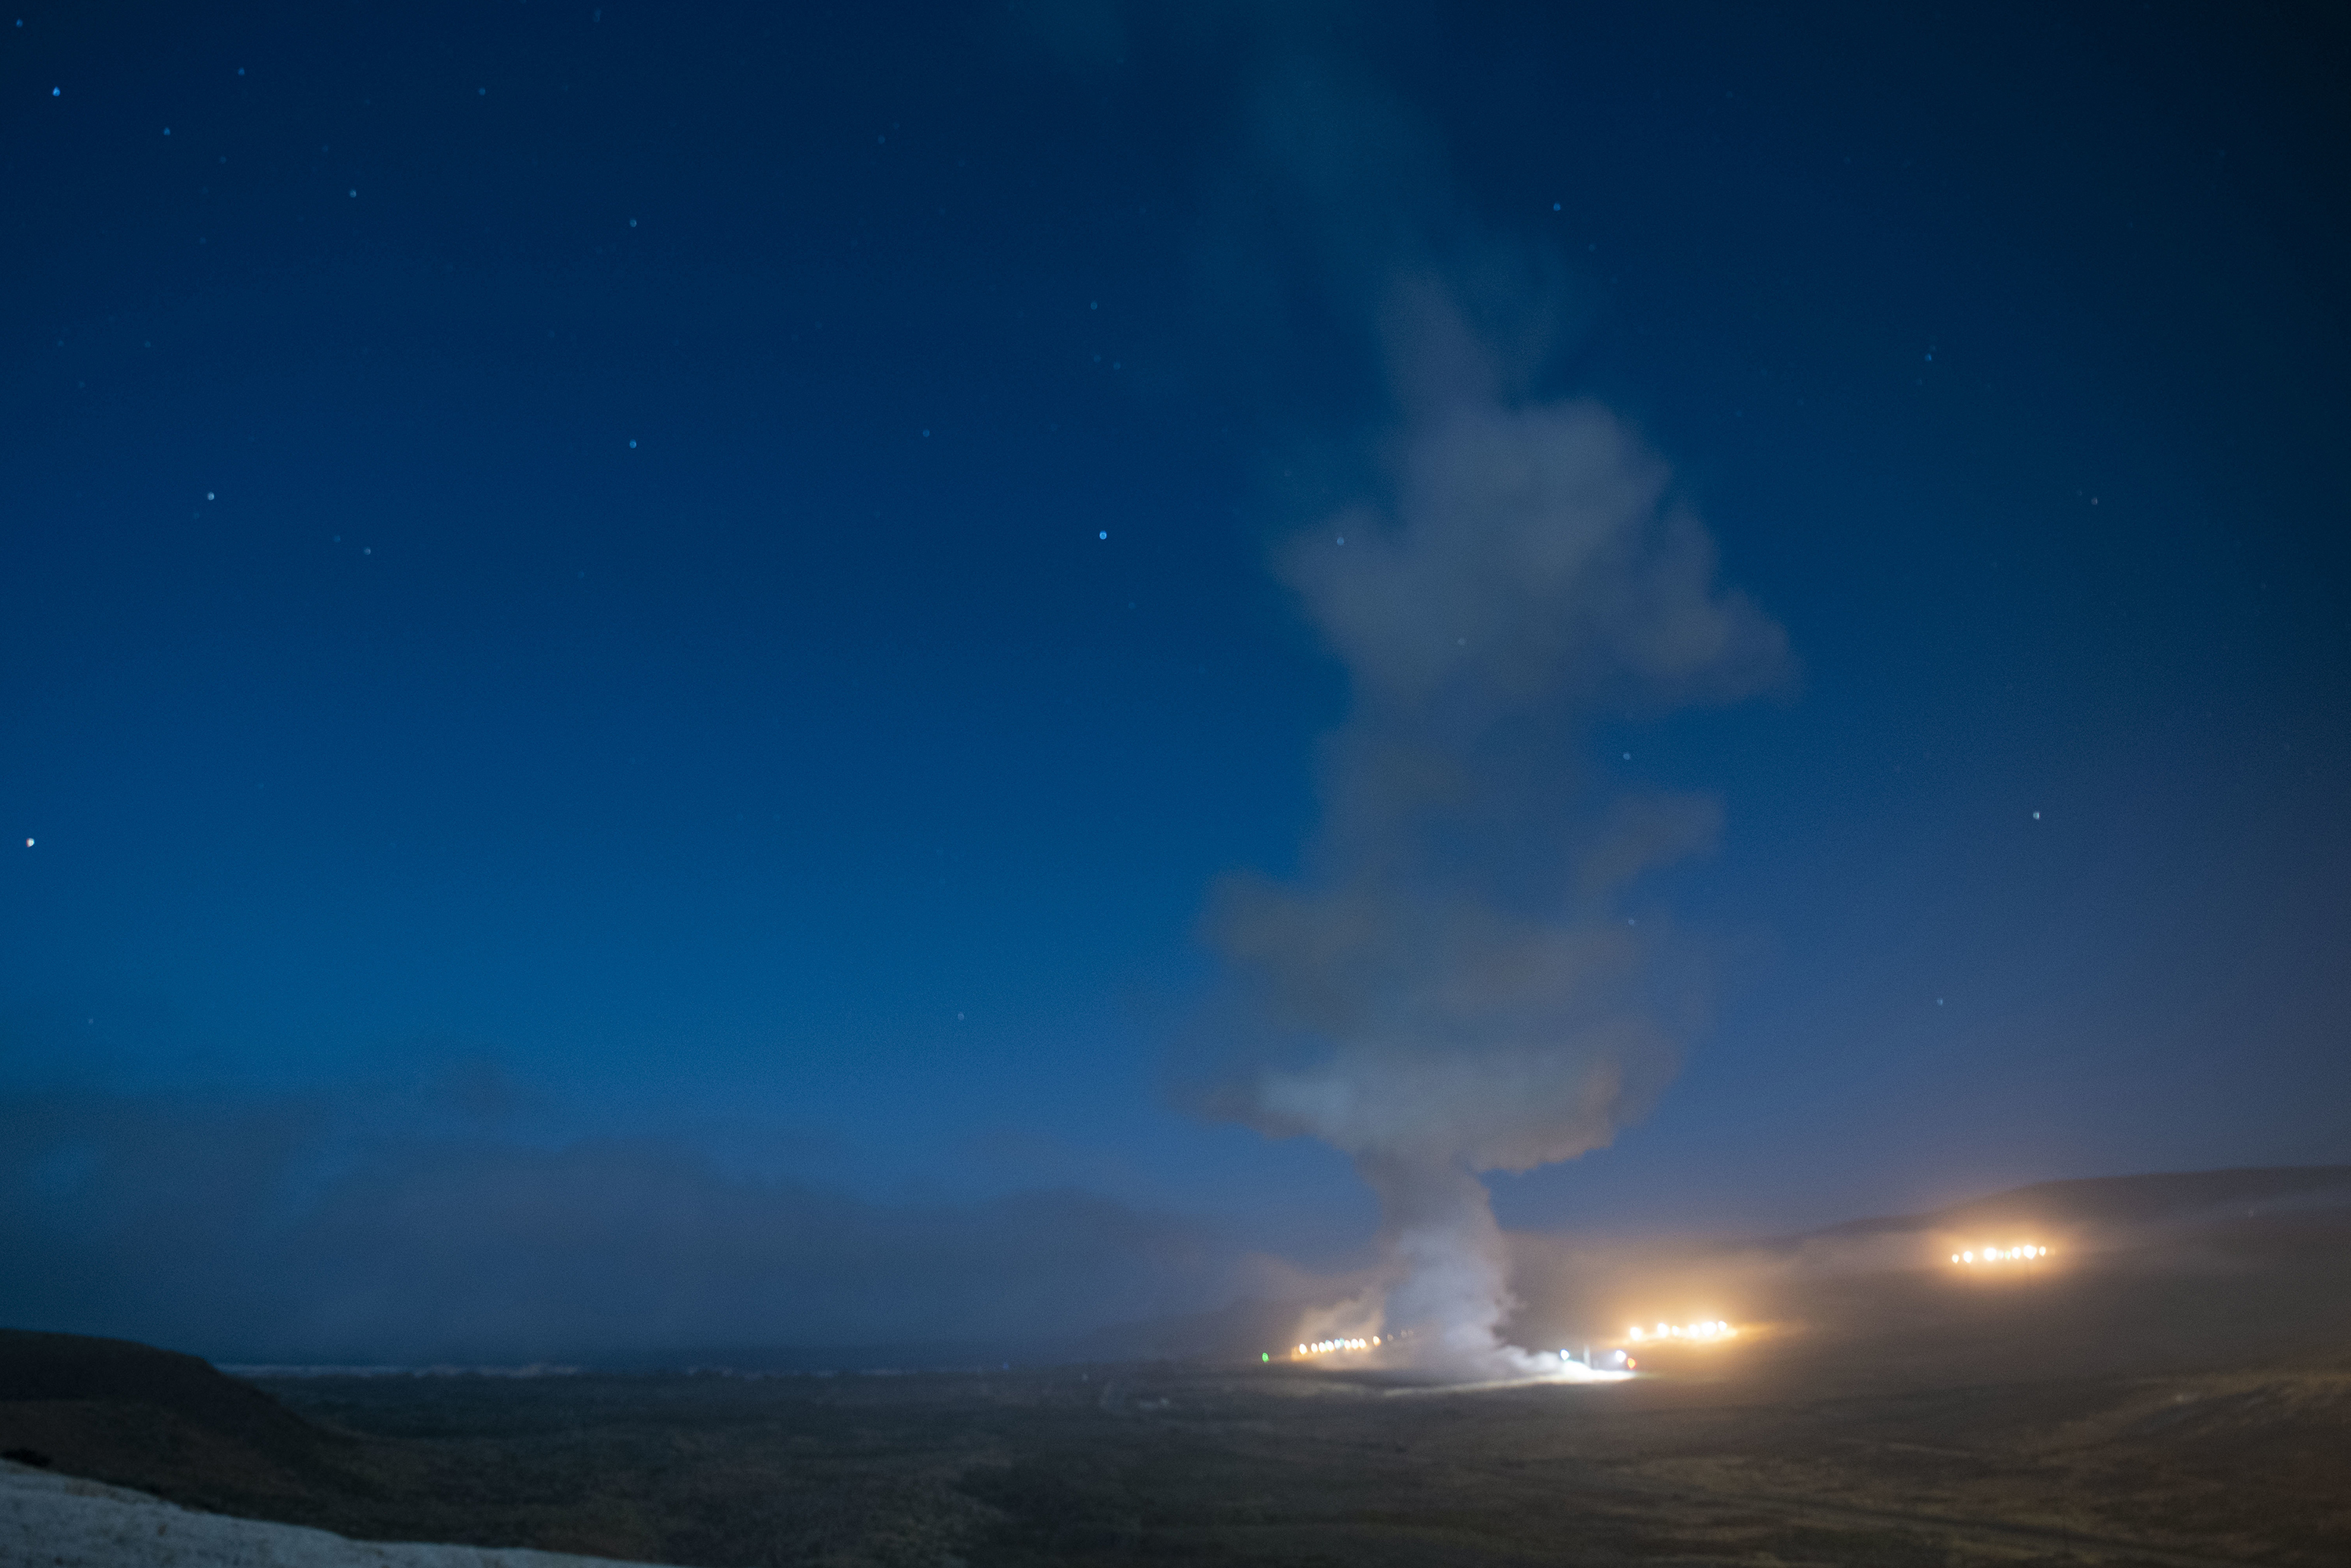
{"x": 2000, "y": 1255}
{"x": 1717, "y": 1329}
{"x": 1325, "y": 1346}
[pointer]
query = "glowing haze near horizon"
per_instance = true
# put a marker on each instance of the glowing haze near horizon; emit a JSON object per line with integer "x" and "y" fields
{"x": 674, "y": 683}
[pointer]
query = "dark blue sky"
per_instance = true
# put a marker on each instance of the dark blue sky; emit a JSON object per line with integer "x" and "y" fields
{"x": 556, "y": 634}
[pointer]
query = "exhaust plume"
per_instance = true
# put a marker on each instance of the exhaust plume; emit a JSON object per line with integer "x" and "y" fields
{"x": 1451, "y": 987}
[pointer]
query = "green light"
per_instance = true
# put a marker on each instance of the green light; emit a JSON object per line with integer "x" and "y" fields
{"x": 1262, "y": 1355}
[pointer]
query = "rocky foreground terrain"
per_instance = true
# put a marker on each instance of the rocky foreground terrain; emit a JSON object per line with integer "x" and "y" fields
{"x": 61, "y": 1521}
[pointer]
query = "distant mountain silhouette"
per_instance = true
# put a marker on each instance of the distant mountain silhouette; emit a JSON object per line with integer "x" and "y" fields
{"x": 2129, "y": 1200}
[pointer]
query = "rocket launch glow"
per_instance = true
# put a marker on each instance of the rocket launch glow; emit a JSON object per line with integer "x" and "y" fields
{"x": 1451, "y": 986}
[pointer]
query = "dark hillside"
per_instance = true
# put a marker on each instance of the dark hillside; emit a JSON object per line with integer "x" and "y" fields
{"x": 173, "y": 1425}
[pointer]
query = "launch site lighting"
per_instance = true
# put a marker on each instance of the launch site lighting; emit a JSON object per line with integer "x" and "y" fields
{"x": 1713, "y": 1328}
{"x": 2025, "y": 1253}
{"x": 1326, "y": 1346}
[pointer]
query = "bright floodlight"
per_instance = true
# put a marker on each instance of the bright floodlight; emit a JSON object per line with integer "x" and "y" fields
{"x": 2024, "y": 1252}
{"x": 1706, "y": 1329}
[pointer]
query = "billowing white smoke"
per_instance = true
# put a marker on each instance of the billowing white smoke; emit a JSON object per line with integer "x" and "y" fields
{"x": 1453, "y": 982}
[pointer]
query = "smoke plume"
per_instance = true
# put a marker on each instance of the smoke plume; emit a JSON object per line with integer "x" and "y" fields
{"x": 1451, "y": 985}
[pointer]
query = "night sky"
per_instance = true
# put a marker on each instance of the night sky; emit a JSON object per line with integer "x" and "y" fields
{"x": 640, "y": 648}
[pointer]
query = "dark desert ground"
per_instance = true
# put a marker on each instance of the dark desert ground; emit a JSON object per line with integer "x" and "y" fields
{"x": 2174, "y": 1388}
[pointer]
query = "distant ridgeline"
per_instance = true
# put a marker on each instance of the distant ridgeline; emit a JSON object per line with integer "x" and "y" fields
{"x": 2129, "y": 1202}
